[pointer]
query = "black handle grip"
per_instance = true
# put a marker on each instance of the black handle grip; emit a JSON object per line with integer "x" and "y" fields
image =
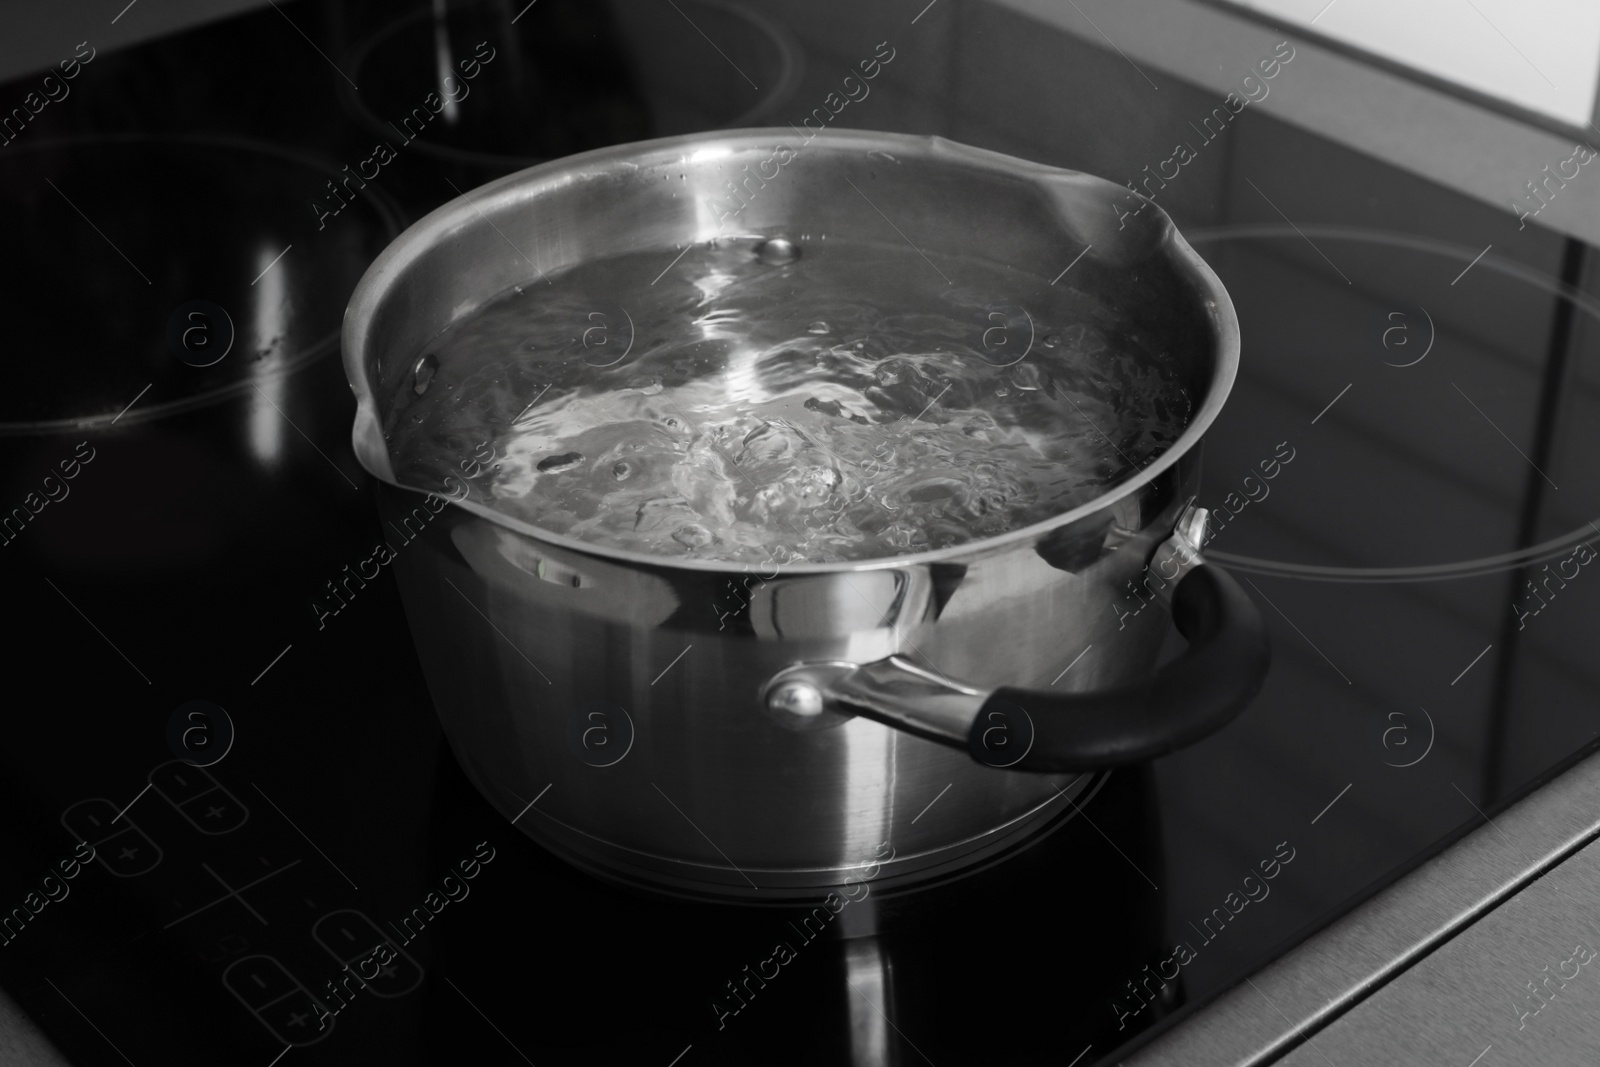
{"x": 1194, "y": 695}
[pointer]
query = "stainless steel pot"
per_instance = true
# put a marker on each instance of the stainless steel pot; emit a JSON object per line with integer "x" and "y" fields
{"x": 702, "y": 728}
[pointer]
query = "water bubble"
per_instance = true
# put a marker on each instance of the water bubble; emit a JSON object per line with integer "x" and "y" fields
{"x": 423, "y": 373}
{"x": 1053, "y": 341}
{"x": 817, "y": 327}
{"x": 1025, "y": 376}
{"x": 903, "y": 535}
{"x": 777, "y": 251}
{"x": 621, "y": 471}
{"x": 692, "y": 535}
{"x": 564, "y": 462}
{"x": 825, "y": 479}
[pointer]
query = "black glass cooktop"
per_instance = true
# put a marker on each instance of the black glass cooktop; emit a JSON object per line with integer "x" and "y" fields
{"x": 1403, "y": 479}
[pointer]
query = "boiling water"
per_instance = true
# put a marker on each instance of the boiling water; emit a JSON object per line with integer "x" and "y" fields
{"x": 755, "y": 402}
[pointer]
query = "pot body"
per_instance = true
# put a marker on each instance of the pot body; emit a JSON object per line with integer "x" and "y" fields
{"x": 626, "y": 699}
{"x": 612, "y": 704}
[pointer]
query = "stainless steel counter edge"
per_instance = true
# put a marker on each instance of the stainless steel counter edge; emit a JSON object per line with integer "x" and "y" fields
{"x": 22, "y": 1044}
{"x": 1260, "y": 1019}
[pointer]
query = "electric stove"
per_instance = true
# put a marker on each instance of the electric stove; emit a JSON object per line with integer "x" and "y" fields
{"x": 1402, "y": 479}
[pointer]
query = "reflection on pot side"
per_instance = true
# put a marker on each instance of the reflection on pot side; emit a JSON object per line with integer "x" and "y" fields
{"x": 810, "y": 928}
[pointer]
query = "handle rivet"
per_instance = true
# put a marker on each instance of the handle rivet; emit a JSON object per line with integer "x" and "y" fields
{"x": 796, "y": 698}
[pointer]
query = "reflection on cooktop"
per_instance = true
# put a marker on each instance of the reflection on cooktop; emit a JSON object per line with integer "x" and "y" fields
{"x": 1402, "y": 479}
{"x": 104, "y": 268}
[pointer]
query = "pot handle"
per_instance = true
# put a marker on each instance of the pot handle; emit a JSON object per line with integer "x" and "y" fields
{"x": 1037, "y": 730}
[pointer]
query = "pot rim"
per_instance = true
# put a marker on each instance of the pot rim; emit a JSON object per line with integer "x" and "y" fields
{"x": 523, "y": 186}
